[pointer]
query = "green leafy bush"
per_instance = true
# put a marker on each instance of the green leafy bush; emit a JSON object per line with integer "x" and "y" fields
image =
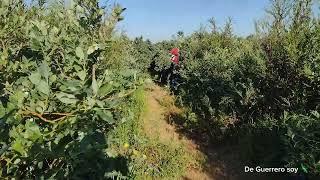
{"x": 301, "y": 139}
{"x": 236, "y": 85}
{"x": 59, "y": 95}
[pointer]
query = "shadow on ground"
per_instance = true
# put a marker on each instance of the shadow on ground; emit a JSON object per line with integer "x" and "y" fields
{"x": 224, "y": 159}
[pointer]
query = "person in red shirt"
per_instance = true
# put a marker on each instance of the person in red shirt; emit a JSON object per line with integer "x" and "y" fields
{"x": 174, "y": 74}
{"x": 175, "y": 56}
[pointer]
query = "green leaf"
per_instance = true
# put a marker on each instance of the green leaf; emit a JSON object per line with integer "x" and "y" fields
{"x": 40, "y": 165}
{"x": 5, "y": 2}
{"x": 111, "y": 152}
{"x": 54, "y": 30}
{"x": 35, "y": 78}
{"x": 307, "y": 71}
{"x": 105, "y": 90}
{"x": 79, "y": 9}
{"x": 82, "y": 75}
{"x": 18, "y": 146}
{"x": 2, "y": 110}
{"x": 53, "y": 78}
{"x": 17, "y": 161}
{"x": 304, "y": 168}
{"x": 316, "y": 114}
{"x": 44, "y": 70}
{"x": 92, "y": 49}
{"x": 67, "y": 98}
{"x": 100, "y": 103}
{"x": 43, "y": 87}
{"x": 17, "y": 99}
{"x": 290, "y": 133}
{"x": 58, "y": 138}
{"x": 105, "y": 115}
{"x": 73, "y": 86}
{"x": 128, "y": 73}
{"x": 112, "y": 103}
{"x": 94, "y": 86}
{"x": 77, "y": 67}
{"x": 35, "y": 44}
{"x": 90, "y": 102}
{"x": 80, "y": 53}
{"x": 32, "y": 131}
{"x": 4, "y": 148}
{"x": 285, "y": 115}
{"x": 43, "y": 28}
{"x": 39, "y": 109}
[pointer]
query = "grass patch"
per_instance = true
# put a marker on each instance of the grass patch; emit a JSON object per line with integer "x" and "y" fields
{"x": 148, "y": 157}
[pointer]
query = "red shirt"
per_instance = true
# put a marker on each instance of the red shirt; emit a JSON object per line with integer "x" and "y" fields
{"x": 175, "y": 55}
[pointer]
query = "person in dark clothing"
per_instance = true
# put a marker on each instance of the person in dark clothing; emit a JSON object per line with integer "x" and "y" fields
{"x": 170, "y": 74}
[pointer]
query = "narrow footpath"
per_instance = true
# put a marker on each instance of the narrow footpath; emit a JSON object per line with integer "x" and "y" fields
{"x": 206, "y": 163}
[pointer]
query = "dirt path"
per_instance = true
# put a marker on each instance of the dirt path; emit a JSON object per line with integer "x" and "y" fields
{"x": 159, "y": 105}
{"x": 215, "y": 162}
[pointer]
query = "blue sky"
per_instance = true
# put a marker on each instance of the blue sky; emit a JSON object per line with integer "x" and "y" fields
{"x": 160, "y": 19}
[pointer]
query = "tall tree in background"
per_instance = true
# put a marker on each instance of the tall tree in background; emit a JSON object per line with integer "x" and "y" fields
{"x": 279, "y": 11}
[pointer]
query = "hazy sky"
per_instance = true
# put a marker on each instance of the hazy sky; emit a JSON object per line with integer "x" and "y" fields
{"x": 160, "y": 19}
